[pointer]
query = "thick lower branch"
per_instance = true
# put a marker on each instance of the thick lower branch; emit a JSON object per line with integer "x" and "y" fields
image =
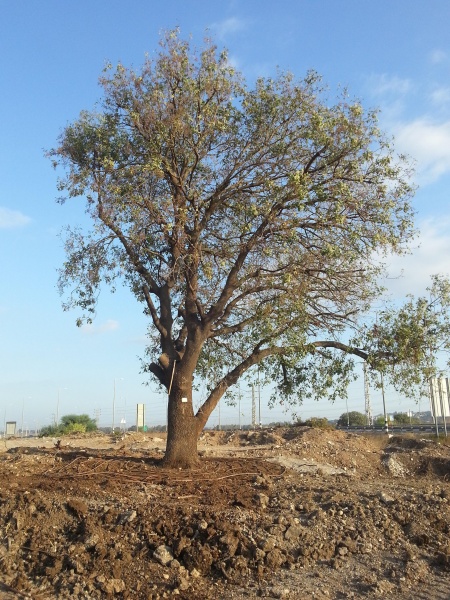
{"x": 158, "y": 372}
{"x": 230, "y": 379}
{"x": 256, "y": 357}
{"x": 340, "y": 346}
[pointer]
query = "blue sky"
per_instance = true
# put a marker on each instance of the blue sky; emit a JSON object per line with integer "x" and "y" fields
{"x": 391, "y": 54}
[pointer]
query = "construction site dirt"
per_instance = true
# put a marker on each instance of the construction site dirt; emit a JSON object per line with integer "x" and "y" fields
{"x": 291, "y": 512}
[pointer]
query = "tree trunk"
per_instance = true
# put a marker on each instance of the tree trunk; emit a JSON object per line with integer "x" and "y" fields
{"x": 182, "y": 430}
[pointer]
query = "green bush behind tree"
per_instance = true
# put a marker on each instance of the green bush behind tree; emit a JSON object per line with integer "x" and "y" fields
{"x": 352, "y": 418}
{"x": 70, "y": 424}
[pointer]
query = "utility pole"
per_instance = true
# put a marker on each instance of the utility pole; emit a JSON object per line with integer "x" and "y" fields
{"x": 441, "y": 402}
{"x": 239, "y": 405}
{"x": 253, "y": 407}
{"x": 220, "y": 426}
{"x": 21, "y": 424}
{"x": 113, "y": 408}
{"x": 367, "y": 397}
{"x": 259, "y": 400}
{"x": 386, "y": 425}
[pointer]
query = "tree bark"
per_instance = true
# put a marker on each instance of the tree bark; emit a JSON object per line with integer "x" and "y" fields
{"x": 182, "y": 428}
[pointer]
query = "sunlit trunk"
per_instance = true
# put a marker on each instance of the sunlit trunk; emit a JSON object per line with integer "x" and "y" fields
{"x": 181, "y": 449}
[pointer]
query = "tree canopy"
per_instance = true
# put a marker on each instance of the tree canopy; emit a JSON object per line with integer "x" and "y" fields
{"x": 353, "y": 417}
{"x": 248, "y": 222}
{"x": 410, "y": 343}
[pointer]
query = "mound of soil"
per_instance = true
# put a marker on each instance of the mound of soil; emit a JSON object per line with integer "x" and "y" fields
{"x": 286, "y": 513}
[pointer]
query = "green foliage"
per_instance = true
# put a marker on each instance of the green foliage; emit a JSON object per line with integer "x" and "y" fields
{"x": 246, "y": 221}
{"x": 50, "y": 431}
{"x": 405, "y": 419}
{"x": 75, "y": 428}
{"x": 400, "y": 418}
{"x": 379, "y": 421}
{"x": 353, "y": 417}
{"x": 318, "y": 423}
{"x": 406, "y": 343}
{"x": 79, "y": 420}
{"x": 70, "y": 424}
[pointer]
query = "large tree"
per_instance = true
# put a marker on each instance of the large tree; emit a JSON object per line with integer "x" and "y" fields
{"x": 248, "y": 222}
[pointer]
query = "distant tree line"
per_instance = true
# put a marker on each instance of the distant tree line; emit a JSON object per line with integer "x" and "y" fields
{"x": 358, "y": 419}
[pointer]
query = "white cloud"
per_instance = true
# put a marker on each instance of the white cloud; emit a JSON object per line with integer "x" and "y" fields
{"x": 109, "y": 325}
{"x": 440, "y": 96}
{"x": 234, "y": 62}
{"x": 425, "y": 138}
{"x": 411, "y": 274}
{"x": 227, "y": 27}
{"x": 11, "y": 219}
{"x": 383, "y": 84}
{"x": 429, "y": 144}
{"x": 438, "y": 56}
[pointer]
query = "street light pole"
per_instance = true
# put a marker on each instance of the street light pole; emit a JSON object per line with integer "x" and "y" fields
{"x": 259, "y": 400}
{"x": 386, "y": 425}
{"x": 239, "y": 406}
{"x": 114, "y": 406}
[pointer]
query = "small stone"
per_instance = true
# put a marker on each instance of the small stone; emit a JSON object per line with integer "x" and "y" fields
{"x": 163, "y": 554}
{"x": 274, "y": 558}
{"x": 262, "y": 500}
{"x": 183, "y": 584}
{"x": 259, "y": 554}
{"x": 78, "y": 507}
{"x": 293, "y": 532}
{"x": 126, "y": 517}
{"x": 385, "y": 498}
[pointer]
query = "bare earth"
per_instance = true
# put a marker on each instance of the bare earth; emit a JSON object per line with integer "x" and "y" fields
{"x": 293, "y": 513}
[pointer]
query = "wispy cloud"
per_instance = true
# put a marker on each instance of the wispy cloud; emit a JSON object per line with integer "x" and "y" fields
{"x": 11, "y": 219}
{"x": 438, "y": 56}
{"x": 411, "y": 274}
{"x": 440, "y": 96}
{"x": 390, "y": 93}
{"x": 223, "y": 29}
{"x": 429, "y": 144}
{"x": 426, "y": 138}
{"x": 107, "y": 326}
{"x": 383, "y": 84}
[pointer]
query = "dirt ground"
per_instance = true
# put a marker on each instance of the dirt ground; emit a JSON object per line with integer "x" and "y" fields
{"x": 293, "y": 513}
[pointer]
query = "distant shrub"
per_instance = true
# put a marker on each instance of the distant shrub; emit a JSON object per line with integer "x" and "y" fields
{"x": 75, "y": 428}
{"x": 318, "y": 423}
{"x": 70, "y": 424}
{"x": 405, "y": 419}
{"x": 50, "y": 431}
{"x": 352, "y": 418}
